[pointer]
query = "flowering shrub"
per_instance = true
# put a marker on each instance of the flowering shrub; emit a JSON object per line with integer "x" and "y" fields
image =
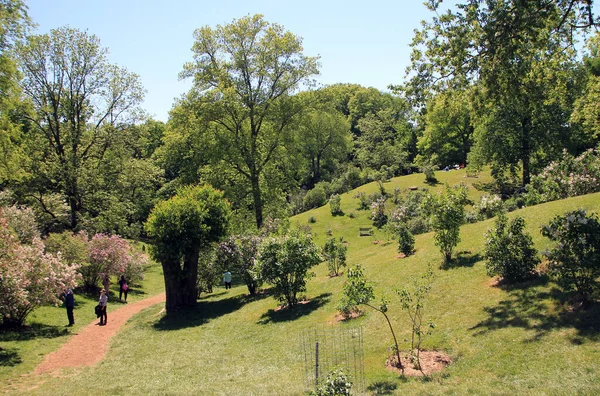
{"x": 509, "y": 250}
{"x": 107, "y": 255}
{"x": 378, "y": 214}
{"x": 22, "y": 222}
{"x": 238, "y": 254}
{"x": 568, "y": 177}
{"x": 489, "y": 206}
{"x": 29, "y": 277}
{"x": 575, "y": 260}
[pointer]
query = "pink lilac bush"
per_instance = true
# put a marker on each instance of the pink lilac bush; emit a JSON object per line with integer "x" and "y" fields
{"x": 29, "y": 277}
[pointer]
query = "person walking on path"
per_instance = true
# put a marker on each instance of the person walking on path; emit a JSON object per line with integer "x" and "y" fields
{"x": 103, "y": 302}
{"x": 227, "y": 280}
{"x": 123, "y": 287}
{"x": 70, "y": 305}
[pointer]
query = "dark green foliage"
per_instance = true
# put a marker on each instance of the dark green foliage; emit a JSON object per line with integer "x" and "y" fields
{"x": 509, "y": 251}
{"x": 406, "y": 241}
{"x": 575, "y": 260}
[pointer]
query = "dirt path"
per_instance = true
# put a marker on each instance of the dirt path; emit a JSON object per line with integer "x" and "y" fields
{"x": 90, "y": 344}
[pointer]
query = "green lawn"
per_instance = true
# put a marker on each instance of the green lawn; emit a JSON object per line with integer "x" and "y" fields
{"x": 502, "y": 340}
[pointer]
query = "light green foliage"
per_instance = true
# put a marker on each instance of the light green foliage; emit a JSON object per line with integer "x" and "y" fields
{"x": 285, "y": 263}
{"x": 413, "y": 302}
{"x": 335, "y": 205}
{"x": 358, "y": 291}
{"x": 509, "y": 251}
{"x": 245, "y": 74}
{"x": 448, "y": 133}
{"x": 586, "y": 111}
{"x": 178, "y": 229}
{"x": 522, "y": 80}
{"x": 575, "y": 259}
{"x": 447, "y": 214}
{"x": 335, "y": 253}
{"x": 81, "y": 106}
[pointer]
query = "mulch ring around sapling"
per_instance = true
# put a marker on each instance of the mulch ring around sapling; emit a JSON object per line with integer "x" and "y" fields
{"x": 431, "y": 362}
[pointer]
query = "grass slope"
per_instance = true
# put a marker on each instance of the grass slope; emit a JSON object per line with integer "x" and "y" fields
{"x": 502, "y": 340}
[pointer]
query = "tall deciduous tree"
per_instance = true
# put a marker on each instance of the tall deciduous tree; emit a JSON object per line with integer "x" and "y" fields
{"x": 245, "y": 74}
{"x": 13, "y": 25}
{"x": 520, "y": 56}
{"x": 81, "y": 103}
{"x": 179, "y": 228}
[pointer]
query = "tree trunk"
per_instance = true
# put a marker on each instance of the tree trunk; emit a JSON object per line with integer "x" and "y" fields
{"x": 258, "y": 205}
{"x": 525, "y": 149}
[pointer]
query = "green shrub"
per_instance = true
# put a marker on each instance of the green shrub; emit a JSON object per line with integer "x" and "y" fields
{"x": 335, "y": 254}
{"x": 489, "y": 206}
{"x": 378, "y": 214}
{"x": 314, "y": 198}
{"x": 335, "y": 205}
{"x": 312, "y": 219}
{"x": 447, "y": 213}
{"x": 509, "y": 251}
{"x": 575, "y": 260}
{"x": 429, "y": 172}
{"x": 285, "y": 262}
{"x": 338, "y": 383}
{"x": 406, "y": 241}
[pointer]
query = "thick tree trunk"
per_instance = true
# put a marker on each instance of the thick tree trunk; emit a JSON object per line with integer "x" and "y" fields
{"x": 180, "y": 284}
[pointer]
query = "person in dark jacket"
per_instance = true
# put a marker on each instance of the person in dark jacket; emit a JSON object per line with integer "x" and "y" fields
{"x": 70, "y": 305}
{"x": 123, "y": 287}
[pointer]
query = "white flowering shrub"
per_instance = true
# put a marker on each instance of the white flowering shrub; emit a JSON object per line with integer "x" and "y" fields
{"x": 568, "y": 177}
{"x": 489, "y": 206}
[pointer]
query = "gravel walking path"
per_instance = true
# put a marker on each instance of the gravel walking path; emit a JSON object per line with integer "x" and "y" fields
{"x": 90, "y": 344}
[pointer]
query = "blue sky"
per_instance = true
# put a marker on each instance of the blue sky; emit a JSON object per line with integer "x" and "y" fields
{"x": 364, "y": 42}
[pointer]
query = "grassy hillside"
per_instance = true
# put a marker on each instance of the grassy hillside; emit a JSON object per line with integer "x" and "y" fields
{"x": 502, "y": 340}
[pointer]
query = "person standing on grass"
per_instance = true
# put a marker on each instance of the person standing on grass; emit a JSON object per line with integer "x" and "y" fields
{"x": 70, "y": 305}
{"x": 123, "y": 287}
{"x": 103, "y": 302}
{"x": 227, "y": 280}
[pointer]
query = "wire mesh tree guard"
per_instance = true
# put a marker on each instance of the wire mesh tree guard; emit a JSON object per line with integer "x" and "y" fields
{"x": 326, "y": 348}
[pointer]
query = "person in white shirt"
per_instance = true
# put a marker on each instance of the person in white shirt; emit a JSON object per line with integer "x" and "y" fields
{"x": 227, "y": 279}
{"x": 103, "y": 301}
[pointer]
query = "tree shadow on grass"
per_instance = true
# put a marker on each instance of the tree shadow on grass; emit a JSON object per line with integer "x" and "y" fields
{"x": 288, "y": 314}
{"x": 530, "y": 307}
{"x": 31, "y": 332}
{"x": 203, "y": 312}
{"x": 462, "y": 259}
{"x": 9, "y": 357}
{"x": 382, "y": 387}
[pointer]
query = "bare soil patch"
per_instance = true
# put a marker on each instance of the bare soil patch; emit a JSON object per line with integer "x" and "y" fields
{"x": 431, "y": 362}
